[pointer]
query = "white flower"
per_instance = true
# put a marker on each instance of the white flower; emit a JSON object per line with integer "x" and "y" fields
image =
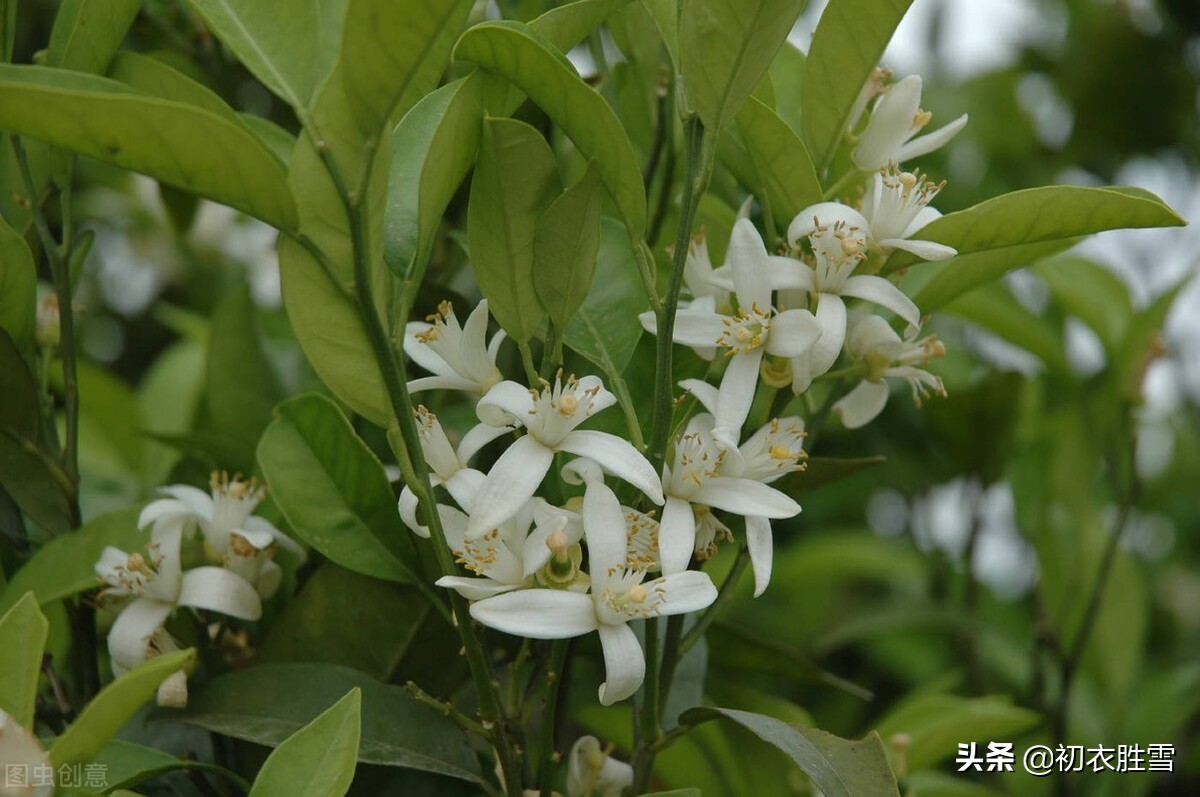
{"x": 756, "y": 329}
{"x": 895, "y": 119}
{"x": 618, "y": 596}
{"x": 895, "y": 207}
{"x": 550, "y": 417}
{"x": 459, "y": 357}
{"x": 695, "y": 481}
{"x": 21, "y": 752}
{"x": 886, "y": 356}
{"x": 233, "y": 535}
{"x": 157, "y": 585}
{"x": 593, "y": 772}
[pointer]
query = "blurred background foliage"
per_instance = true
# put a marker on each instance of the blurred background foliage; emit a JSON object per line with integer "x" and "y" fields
{"x": 938, "y": 595}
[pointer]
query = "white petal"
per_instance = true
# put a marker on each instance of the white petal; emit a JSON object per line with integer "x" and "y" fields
{"x": 421, "y": 353}
{"x": 735, "y": 396}
{"x": 219, "y": 590}
{"x": 130, "y": 634}
{"x": 761, "y": 547}
{"x": 697, "y": 327}
{"x": 617, "y": 456}
{"x": 173, "y": 691}
{"x": 745, "y": 497}
{"x": 883, "y": 293}
{"x": 930, "y": 141}
{"x": 509, "y": 484}
{"x": 472, "y": 346}
{"x": 407, "y": 506}
{"x": 705, "y": 393}
{"x": 442, "y": 383}
{"x": 604, "y": 528}
{"x": 682, "y": 593}
{"x": 871, "y": 333}
{"x": 789, "y": 274}
{"x": 924, "y": 216}
{"x": 21, "y": 754}
{"x": 505, "y": 404}
{"x": 463, "y": 486}
{"x": 831, "y": 314}
{"x": 162, "y": 508}
{"x": 827, "y": 214}
{"x": 538, "y": 613}
{"x": 792, "y": 332}
{"x": 200, "y": 502}
{"x": 624, "y": 663}
{"x": 860, "y": 406}
{"x": 649, "y": 321}
{"x": 890, "y": 124}
{"x": 927, "y": 250}
{"x": 747, "y": 257}
{"x": 256, "y": 523}
{"x": 479, "y": 436}
{"x": 676, "y": 535}
{"x": 259, "y": 538}
{"x": 475, "y": 589}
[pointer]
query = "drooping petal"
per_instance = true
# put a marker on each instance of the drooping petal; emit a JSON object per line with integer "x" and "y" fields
{"x": 506, "y": 404}
{"x": 441, "y": 383}
{"x": 129, "y": 637}
{"x": 256, "y": 523}
{"x": 883, "y": 293}
{"x": 705, "y": 393}
{"x": 831, "y": 314}
{"x": 762, "y": 551}
{"x": 735, "y": 396}
{"x": 624, "y": 663}
{"x": 927, "y": 250}
{"x": 463, "y": 486}
{"x": 259, "y": 538}
{"x": 827, "y": 214}
{"x": 617, "y": 456}
{"x": 220, "y": 590}
{"x": 509, "y": 484}
{"x": 163, "y": 508}
{"x": 422, "y": 354}
{"x": 792, "y": 332}
{"x": 860, "y": 406}
{"x": 200, "y": 502}
{"x": 676, "y": 535}
{"x": 407, "y": 507}
{"x": 475, "y": 589}
{"x": 538, "y": 613}
{"x": 745, "y": 497}
{"x": 747, "y": 257}
{"x": 927, "y": 143}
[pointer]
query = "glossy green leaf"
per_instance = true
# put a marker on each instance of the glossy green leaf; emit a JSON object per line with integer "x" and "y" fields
{"x": 565, "y": 248}
{"x": 782, "y": 163}
{"x": 65, "y": 566}
{"x": 181, "y": 144}
{"x": 111, "y": 709}
{"x": 725, "y": 48}
{"x": 279, "y": 141}
{"x": 994, "y": 308}
{"x": 241, "y": 385}
{"x": 157, "y": 78}
{"x": 18, "y": 287}
{"x": 127, "y": 764}
{"x": 606, "y": 328}
{"x": 665, "y": 14}
{"x": 1140, "y": 345}
{"x": 317, "y": 760}
{"x": 945, "y": 281}
{"x": 87, "y": 33}
{"x": 434, "y": 145}
{"x": 332, "y": 489}
{"x": 290, "y": 45}
{"x": 936, "y": 724}
{"x": 787, "y": 76}
{"x": 23, "y": 631}
{"x": 341, "y": 617}
{"x": 849, "y": 41}
{"x": 676, "y": 793}
{"x": 268, "y": 703}
{"x": 516, "y": 178}
{"x": 521, "y": 55}
{"x": 1036, "y": 215}
{"x": 839, "y": 767}
{"x": 570, "y": 23}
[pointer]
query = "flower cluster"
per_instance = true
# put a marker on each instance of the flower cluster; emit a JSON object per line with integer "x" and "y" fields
{"x": 146, "y": 587}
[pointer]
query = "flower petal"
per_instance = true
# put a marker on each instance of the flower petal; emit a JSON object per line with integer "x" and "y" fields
{"x": 624, "y": 663}
{"x": 617, "y": 456}
{"x": 735, "y": 396}
{"x": 891, "y": 124}
{"x": 256, "y": 523}
{"x": 472, "y": 346}
{"x": 509, "y": 484}
{"x": 219, "y": 590}
{"x": 442, "y": 383}
{"x": 883, "y": 293}
{"x": 831, "y": 314}
{"x": 129, "y": 637}
{"x": 475, "y": 589}
{"x": 745, "y": 497}
{"x": 705, "y": 393}
{"x": 860, "y": 406}
{"x": 538, "y": 613}
{"x": 792, "y": 332}
{"x": 697, "y": 326}
{"x": 463, "y": 486}
{"x": 604, "y": 528}
{"x": 407, "y": 507}
{"x": 479, "y": 436}
{"x": 747, "y": 257}
{"x": 761, "y": 547}
{"x": 201, "y": 503}
{"x": 676, "y": 535}
{"x": 927, "y": 250}
{"x": 827, "y": 214}
{"x": 683, "y": 593}
{"x": 930, "y": 141}
{"x": 163, "y": 508}
{"x": 507, "y": 403}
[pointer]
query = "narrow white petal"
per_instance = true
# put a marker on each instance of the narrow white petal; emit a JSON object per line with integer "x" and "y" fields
{"x": 871, "y": 332}
{"x": 624, "y": 663}
{"x": 509, "y": 484}
{"x": 493, "y": 347}
{"x": 219, "y": 590}
{"x": 761, "y": 547}
{"x": 407, "y": 506}
{"x": 697, "y": 327}
{"x": 505, "y": 404}
{"x": 826, "y": 214}
{"x": 475, "y": 589}
{"x": 890, "y": 124}
{"x": 479, "y": 436}
{"x": 422, "y": 354}
{"x": 860, "y": 406}
{"x": 442, "y": 383}
{"x": 792, "y": 332}
{"x": 930, "y": 141}
{"x": 463, "y": 485}
{"x": 927, "y": 250}
{"x": 748, "y": 258}
{"x": 604, "y": 528}
{"x": 745, "y": 497}
{"x": 259, "y": 538}
{"x": 883, "y": 293}
{"x": 676, "y": 535}
{"x": 472, "y": 346}
{"x": 705, "y": 393}
{"x": 789, "y": 274}
{"x": 173, "y": 692}
{"x": 163, "y": 508}
{"x": 682, "y": 593}
{"x": 617, "y": 456}
{"x": 130, "y": 634}
{"x": 538, "y": 613}
{"x": 831, "y": 314}
{"x": 735, "y": 396}
{"x": 924, "y": 216}
{"x": 200, "y": 502}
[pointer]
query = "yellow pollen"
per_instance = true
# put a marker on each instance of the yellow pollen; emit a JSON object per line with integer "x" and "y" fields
{"x": 851, "y": 246}
{"x": 637, "y": 594}
{"x": 568, "y": 404}
{"x": 780, "y": 452}
{"x": 921, "y": 119}
{"x": 241, "y": 546}
{"x": 135, "y": 563}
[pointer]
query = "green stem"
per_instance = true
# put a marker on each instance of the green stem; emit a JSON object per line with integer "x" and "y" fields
{"x": 621, "y": 390}
{"x": 724, "y": 595}
{"x": 552, "y": 354}
{"x": 554, "y": 680}
{"x": 531, "y": 371}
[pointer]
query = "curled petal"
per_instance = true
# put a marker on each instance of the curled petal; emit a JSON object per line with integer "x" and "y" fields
{"x": 927, "y": 250}
{"x": 883, "y": 293}
{"x": 220, "y": 590}
{"x": 624, "y": 663}
{"x": 475, "y": 589}
{"x": 478, "y": 437}
{"x": 200, "y": 502}
{"x": 617, "y": 456}
{"x": 163, "y": 508}
{"x": 407, "y": 506}
{"x": 860, "y": 406}
{"x": 827, "y": 214}
{"x": 705, "y": 393}
{"x": 761, "y": 547}
{"x": 130, "y": 635}
{"x": 506, "y": 404}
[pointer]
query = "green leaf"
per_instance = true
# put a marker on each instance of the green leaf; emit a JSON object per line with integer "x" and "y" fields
{"x": 181, "y": 144}
{"x": 847, "y": 45}
{"x": 606, "y": 328}
{"x": 942, "y": 282}
{"x": 516, "y": 178}
{"x": 839, "y": 767}
{"x": 8, "y": 28}
{"x": 529, "y": 61}
{"x": 565, "y": 248}
{"x": 157, "y": 78}
{"x": 268, "y": 703}
{"x": 1036, "y": 215}
{"x": 111, "y": 709}
{"x": 332, "y": 489}
{"x": 725, "y": 48}
{"x": 784, "y": 168}
{"x": 341, "y": 617}
{"x": 569, "y": 24}
{"x": 936, "y": 724}
{"x": 317, "y": 760}
{"x": 787, "y": 77}
{"x": 18, "y": 288}
{"x": 242, "y": 387}
{"x": 289, "y": 45}
{"x": 675, "y": 793}
{"x": 23, "y": 632}
{"x": 129, "y": 764}
{"x": 994, "y": 308}
{"x": 65, "y": 566}
{"x": 279, "y": 141}
{"x": 1091, "y": 293}
{"x": 1140, "y": 344}
{"x": 87, "y": 33}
